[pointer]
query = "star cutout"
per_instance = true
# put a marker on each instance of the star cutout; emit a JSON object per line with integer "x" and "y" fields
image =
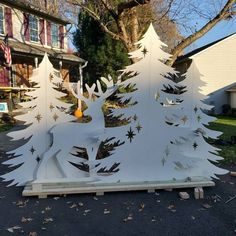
{"x": 55, "y": 117}
{"x": 50, "y": 78}
{"x": 144, "y": 51}
{"x": 32, "y": 150}
{"x": 195, "y": 109}
{"x": 157, "y": 96}
{"x": 135, "y": 117}
{"x": 38, "y": 159}
{"x": 184, "y": 119}
{"x": 139, "y": 127}
{"x": 38, "y": 117}
{"x": 130, "y": 134}
{"x": 195, "y": 145}
{"x": 51, "y": 107}
{"x": 199, "y": 118}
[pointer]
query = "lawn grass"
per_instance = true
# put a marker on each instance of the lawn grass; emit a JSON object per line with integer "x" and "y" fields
{"x": 5, "y": 127}
{"x": 227, "y": 125}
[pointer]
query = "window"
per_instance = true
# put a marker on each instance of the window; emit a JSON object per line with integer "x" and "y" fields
{"x": 55, "y": 35}
{"x": 34, "y": 28}
{"x": 1, "y": 21}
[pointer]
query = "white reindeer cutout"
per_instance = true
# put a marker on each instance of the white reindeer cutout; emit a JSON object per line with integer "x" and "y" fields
{"x": 86, "y": 135}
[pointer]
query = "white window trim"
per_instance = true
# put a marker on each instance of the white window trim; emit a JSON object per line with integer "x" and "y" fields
{"x": 3, "y": 13}
{"x": 31, "y": 41}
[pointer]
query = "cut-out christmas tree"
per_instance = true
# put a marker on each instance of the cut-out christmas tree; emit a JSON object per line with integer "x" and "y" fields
{"x": 45, "y": 110}
{"x": 156, "y": 149}
{"x": 190, "y": 114}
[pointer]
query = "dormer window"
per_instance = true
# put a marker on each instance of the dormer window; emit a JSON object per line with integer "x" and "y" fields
{"x": 55, "y": 35}
{"x": 33, "y": 28}
{"x": 1, "y": 21}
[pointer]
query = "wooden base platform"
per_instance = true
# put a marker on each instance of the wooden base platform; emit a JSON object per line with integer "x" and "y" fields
{"x": 42, "y": 190}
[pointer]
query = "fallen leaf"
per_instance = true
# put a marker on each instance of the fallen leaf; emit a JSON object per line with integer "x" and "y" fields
{"x": 47, "y": 220}
{"x": 207, "y": 206}
{"x": 48, "y": 208}
{"x": 25, "y": 220}
{"x": 106, "y": 211}
{"x": 33, "y": 234}
{"x": 170, "y": 207}
{"x": 73, "y": 206}
{"x": 142, "y": 205}
{"x": 153, "y": 219}
{"x": 130, "y": 217}
{"x": 11, "y": 230}
{"x": 21, "y": 203}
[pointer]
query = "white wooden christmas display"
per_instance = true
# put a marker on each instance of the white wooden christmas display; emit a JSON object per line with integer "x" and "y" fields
{"x": 162, "y": 141}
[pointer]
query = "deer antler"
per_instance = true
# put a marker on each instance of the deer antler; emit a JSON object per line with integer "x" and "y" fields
{"x": 111, "y": 87}
{"x": 79, "y": 95}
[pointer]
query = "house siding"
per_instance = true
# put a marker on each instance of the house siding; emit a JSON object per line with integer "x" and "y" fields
{"x": 217, "y": 67}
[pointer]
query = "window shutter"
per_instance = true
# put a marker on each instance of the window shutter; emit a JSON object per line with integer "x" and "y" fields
{"x": 61, "y": 36}
{"x": 26, "y": 27}
{"x": 41, "y": 31}
{"x": 49, "y": 36}
{"x": 8, "y": 19}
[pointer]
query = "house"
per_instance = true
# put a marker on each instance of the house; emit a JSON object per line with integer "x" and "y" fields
{"x": 32, "y": 32}
{"x": 217, "y": 64}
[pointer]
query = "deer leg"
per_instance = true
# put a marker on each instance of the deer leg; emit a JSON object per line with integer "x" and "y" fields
{"x": 63, "y": 164}
{"x": 92, "y": 154}
{"x": 42, "y": 169}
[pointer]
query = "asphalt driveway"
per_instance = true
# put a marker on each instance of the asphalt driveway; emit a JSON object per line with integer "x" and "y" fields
{"x": 123, "y": 213}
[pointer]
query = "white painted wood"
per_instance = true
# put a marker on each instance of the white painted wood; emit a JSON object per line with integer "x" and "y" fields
{"x": 201, "y": 193}
{"x": 155, "y": 153}
{"x": 196, "y": 193}
{"x": 100, "y": 189}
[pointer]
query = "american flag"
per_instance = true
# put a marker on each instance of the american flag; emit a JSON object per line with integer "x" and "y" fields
{"x": 7, "y": 51}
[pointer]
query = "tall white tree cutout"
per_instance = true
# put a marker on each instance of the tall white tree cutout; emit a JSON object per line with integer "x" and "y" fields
{"x": 190, "y": 114}
{"x": 45, "y": 111}
{"x": 156, "y": 149}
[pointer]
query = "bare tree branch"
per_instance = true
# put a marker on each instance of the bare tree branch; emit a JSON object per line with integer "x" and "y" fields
{"x": 223, "y": 14}
{"x": 131, "y": 4}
